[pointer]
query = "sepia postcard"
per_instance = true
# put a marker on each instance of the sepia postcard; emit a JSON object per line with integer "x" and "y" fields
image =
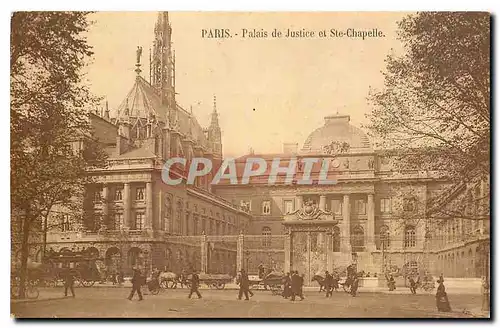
{"x": 250, "y": 165}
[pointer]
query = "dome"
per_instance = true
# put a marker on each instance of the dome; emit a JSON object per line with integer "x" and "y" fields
{"x": 337, "y": 135}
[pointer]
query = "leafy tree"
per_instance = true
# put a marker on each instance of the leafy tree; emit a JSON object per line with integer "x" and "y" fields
{"x": 434, "y": 109}
{"x": 51, "y": 137}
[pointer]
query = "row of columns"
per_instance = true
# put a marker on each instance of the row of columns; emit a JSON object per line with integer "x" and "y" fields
{"x": 128, "y": 219}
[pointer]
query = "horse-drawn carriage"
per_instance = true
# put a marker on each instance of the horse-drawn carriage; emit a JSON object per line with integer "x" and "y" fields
{"x": 171, "y": 280}
{"x": 272, "y": 281}
{"x": 275, "y": 282}
{"x": 342, "y": 277}
{"x": 82, "y": 265}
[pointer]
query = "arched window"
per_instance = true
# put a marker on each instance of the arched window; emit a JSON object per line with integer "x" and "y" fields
{"x": 385, "y": 241}
{"x": 336, "y": 239}
{"x": 266, "y": 233}
{"x": 410, "y": 237}
{"x": 357, "y": 239}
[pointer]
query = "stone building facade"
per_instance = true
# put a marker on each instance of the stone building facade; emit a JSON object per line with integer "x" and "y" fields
{"x": 373, "y": 215}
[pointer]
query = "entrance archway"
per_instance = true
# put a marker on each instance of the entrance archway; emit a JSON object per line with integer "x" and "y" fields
{"x": 113, "y": 259}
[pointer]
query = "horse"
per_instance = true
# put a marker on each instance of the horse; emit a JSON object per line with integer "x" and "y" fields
{"x": 321, "y": 282}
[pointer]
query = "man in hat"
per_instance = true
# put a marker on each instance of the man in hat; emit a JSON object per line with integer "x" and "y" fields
{"x": 195, "y": 284}
{"x": 297, "y": 282}
{"x": 244, "y": 285}
{"x": 69, "y": 279}
{"x": 137, "y": 281}
{"x": 354, "y": 286}
{"x": 287, "y": 286}
{"x": 328, "y": 284}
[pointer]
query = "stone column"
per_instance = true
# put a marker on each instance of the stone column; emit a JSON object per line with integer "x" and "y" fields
{"x": 288, "y": 248}
{"x": 308, "y": 271}
{"x": 105, "y": 209}
{"x": 370, "y": 227}
{"x": 322, "y": 202}
{"x": 149, "y": 206}
{"x": 345, "y": 241}
{"x": 126, "y": 206}
{"x": 239, "y": 252}
{"x": 204, "y": 253}
{"x": 300, "y": 202}
{"x": 329, "y": 251}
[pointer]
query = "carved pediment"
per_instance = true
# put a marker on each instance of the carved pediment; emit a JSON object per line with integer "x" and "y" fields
{"x": 309, "y": 212}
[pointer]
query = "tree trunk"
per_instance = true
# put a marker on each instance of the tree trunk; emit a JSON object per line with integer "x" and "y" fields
{"x": 23, "y": 274}
{"x": 44, "y": 246}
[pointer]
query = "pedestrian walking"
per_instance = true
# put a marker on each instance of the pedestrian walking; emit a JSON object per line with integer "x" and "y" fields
{"x": 195, "y": 284}
{"x": 391, "y": 283}
{"x": 335, "y": 282}
{"x": 137, "y": 281}
{"x": 297, "y": 286}
{"x": 287, "y": 286}
{"x": 69, "y": 280}
{"x": 354, "y": 286}
{"x": 413, "y": 285}
{"x": 328, "y": 284}
{"x": 442, "y": 302}
{"x": 244, "y": 285}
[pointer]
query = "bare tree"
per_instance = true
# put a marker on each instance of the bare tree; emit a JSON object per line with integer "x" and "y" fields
{"x": 434, "y": 109}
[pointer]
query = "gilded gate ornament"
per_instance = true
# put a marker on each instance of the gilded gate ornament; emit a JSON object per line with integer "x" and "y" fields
{"x": 310, "y": 211}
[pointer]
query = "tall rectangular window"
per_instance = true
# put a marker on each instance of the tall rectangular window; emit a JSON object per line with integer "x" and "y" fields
{"x": 288, "y": 206}
{"x": 139, "y": 193}
{"x": 139, "y": 218}
{"x": 118, "y": 221}
{"x": 118, "y": 194}
{"x": 98, "y": 195}
{"x": 385, "y": 205}
{"x": 266, "y": 207}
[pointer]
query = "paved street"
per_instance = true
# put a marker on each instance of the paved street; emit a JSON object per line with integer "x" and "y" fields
{"x": 112, "y": 303}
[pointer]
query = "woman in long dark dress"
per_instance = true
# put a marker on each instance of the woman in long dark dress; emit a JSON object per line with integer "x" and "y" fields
{"x": 442, "y": 303}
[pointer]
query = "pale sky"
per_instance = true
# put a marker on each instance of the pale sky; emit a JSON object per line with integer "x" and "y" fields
{"x": 291, "y": 83}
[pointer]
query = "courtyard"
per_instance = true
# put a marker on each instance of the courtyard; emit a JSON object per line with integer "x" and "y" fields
{"x": 111, "y": 302}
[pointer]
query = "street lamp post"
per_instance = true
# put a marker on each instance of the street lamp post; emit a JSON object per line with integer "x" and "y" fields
{"x": 247, "y": 253}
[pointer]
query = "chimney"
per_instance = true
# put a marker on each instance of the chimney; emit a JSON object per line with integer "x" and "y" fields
{"x": 121, "y": 144}
{"x": 290, "y": 148}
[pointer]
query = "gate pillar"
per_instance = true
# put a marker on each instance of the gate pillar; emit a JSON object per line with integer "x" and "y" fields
{"x": 288, "y": 249}
{"x": 239, "y": 252}
{"x": 203, "y": 253}
{"x": 329, "y": 251}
